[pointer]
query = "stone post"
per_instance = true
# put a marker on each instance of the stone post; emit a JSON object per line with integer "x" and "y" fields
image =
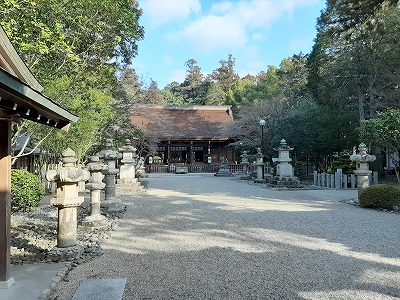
{"x": 362, "y": 167}
{"x": 67, "y": 200}
{"x": 259, "y": 164}
{"x": 110, "y": 156}
{"x": 95, "y": 185}
{"x": 245, "y": 161}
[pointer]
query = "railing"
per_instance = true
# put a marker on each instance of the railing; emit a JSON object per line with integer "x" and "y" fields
{"x": 234, "y": 168}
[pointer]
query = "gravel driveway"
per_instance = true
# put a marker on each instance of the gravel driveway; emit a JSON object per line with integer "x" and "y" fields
{"x": 205, "y": 237}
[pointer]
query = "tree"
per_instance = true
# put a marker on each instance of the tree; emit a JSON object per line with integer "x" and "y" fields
{"x": 384, "y": 132}
{"x": 356, "y": 68}
{"x": 352, "y": 13}
{"x": 192, "y": 89}
{"x": 76, "y": 58}
{"x": 225, "y": 75}
{"x": 61, "y": 37}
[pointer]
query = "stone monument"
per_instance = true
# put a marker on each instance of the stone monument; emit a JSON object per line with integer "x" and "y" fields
{"x": 67, "y": 202}
{"x": 362, "y": 171}
{"x": 95, "y": 185}
{"x": 223, "y": 170}
{"x": 110, "y": 156}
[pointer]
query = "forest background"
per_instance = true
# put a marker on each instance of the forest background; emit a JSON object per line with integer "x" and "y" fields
{"x": 323, "y": 102}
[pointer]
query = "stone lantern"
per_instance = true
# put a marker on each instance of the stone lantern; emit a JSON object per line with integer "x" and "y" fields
{"x": 127, "y": 169}
{"x": 245, "y": 161}
{"x": 259, "y": 164}
{"x": 284, "y": 168}
{"x": 110, "y": 156}
{"x": 362, "y": 171}
{"x": 67, "y": 200}
{"x": 95, "y": 185}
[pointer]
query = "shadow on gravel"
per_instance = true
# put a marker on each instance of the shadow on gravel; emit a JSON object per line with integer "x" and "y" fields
{"x": 236, "y": 242}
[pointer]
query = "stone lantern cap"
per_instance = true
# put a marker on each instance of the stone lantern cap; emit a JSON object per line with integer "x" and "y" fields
{"x": 128, "y": 147}
{"x": 68, "y": 172}
{"x": 109, "y": 154}
{"x": 95, "y": 165}
{"x": 362, "y": 156}
{"x": 283, "y": 146}
{"x": 259, "y": 154}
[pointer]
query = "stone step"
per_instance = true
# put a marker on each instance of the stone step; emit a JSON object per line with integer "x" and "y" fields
{"x": 101, "y": 289}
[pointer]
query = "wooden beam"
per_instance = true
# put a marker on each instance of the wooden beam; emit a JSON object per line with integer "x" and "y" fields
{"x": 5, "y": 203}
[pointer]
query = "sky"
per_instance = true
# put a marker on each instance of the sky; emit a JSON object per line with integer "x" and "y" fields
{"x": 257, "y": 33}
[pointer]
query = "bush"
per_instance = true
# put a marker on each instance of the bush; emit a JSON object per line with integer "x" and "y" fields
{"x": 380, "y": 197}
{"x": 26, "y": 190}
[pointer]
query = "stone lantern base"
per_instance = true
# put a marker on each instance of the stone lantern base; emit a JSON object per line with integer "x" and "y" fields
{"x": 112, "y": 205}
{"x": 290, "y": 181}
{"x": 95, "y": 221}
{"x": 128, "y": 186}
{"x": 71, "y": 253}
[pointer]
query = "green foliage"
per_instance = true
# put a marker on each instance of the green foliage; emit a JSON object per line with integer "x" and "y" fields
{"x": 74, "y": 49}
{"x": 380, "y": 197}
{"x": 342, "y": 161}
{"x": 384, "y": 132}
{"x": 26, "y": 190}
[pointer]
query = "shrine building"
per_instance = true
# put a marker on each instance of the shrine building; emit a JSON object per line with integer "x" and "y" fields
{"x": 186, "y": 135}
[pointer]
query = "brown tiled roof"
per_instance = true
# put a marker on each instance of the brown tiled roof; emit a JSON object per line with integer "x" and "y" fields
{"x": 183, "y": 122}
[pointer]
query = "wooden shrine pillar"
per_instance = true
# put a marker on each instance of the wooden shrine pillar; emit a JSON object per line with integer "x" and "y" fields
{"x": 5, "y": 201}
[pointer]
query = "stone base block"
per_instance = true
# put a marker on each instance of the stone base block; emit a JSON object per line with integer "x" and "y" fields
{"x": 112, "y": 205}
{"x": 7, "y": 284}
{"x": 65, "y": 254}
{"x": 95, "y": 221}
{"x": 129, "y": 188}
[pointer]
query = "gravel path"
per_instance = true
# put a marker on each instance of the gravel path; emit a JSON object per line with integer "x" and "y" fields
{"x": 202, "y": 237}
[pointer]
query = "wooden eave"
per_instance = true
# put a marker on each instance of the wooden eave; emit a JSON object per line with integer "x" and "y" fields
{"x": 17, "y": 97}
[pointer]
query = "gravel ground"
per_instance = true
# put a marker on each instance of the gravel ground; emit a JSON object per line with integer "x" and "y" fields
{"x": 34, "y": 234}
{"x": 202, "y": 237}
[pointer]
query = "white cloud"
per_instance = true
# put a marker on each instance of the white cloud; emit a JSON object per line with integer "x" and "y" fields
{"x": 212, "y": 32}
{"x": 177, "y": 75}
{"x": 232, "y": 24}
{"x": 221, "y": 7}
{"x": 160, "y": 12}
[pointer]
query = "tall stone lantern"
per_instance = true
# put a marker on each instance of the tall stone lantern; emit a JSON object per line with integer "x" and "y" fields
{"x": 110, "y": 156}
{"x": 259, "y": 164}
{"x": 362, "y": 171}
{"x": 245, "y": 161}
{"x": 127, "y": 169}
{"x": 95, "y": 185}
{"x": 67, "y": 200}
{"x": 284, "y": 168}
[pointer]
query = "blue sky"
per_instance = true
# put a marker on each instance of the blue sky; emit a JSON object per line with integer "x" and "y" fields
{"x": 257, "y": 33}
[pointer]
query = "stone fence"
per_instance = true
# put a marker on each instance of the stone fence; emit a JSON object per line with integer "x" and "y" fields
{"x": 338, "y": 180}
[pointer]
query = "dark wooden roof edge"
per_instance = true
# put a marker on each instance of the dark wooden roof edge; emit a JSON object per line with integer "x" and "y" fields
{"x": 21, "y": 94}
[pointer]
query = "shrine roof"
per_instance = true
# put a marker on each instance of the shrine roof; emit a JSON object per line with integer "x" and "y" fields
{"x": 183, "y": 122}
